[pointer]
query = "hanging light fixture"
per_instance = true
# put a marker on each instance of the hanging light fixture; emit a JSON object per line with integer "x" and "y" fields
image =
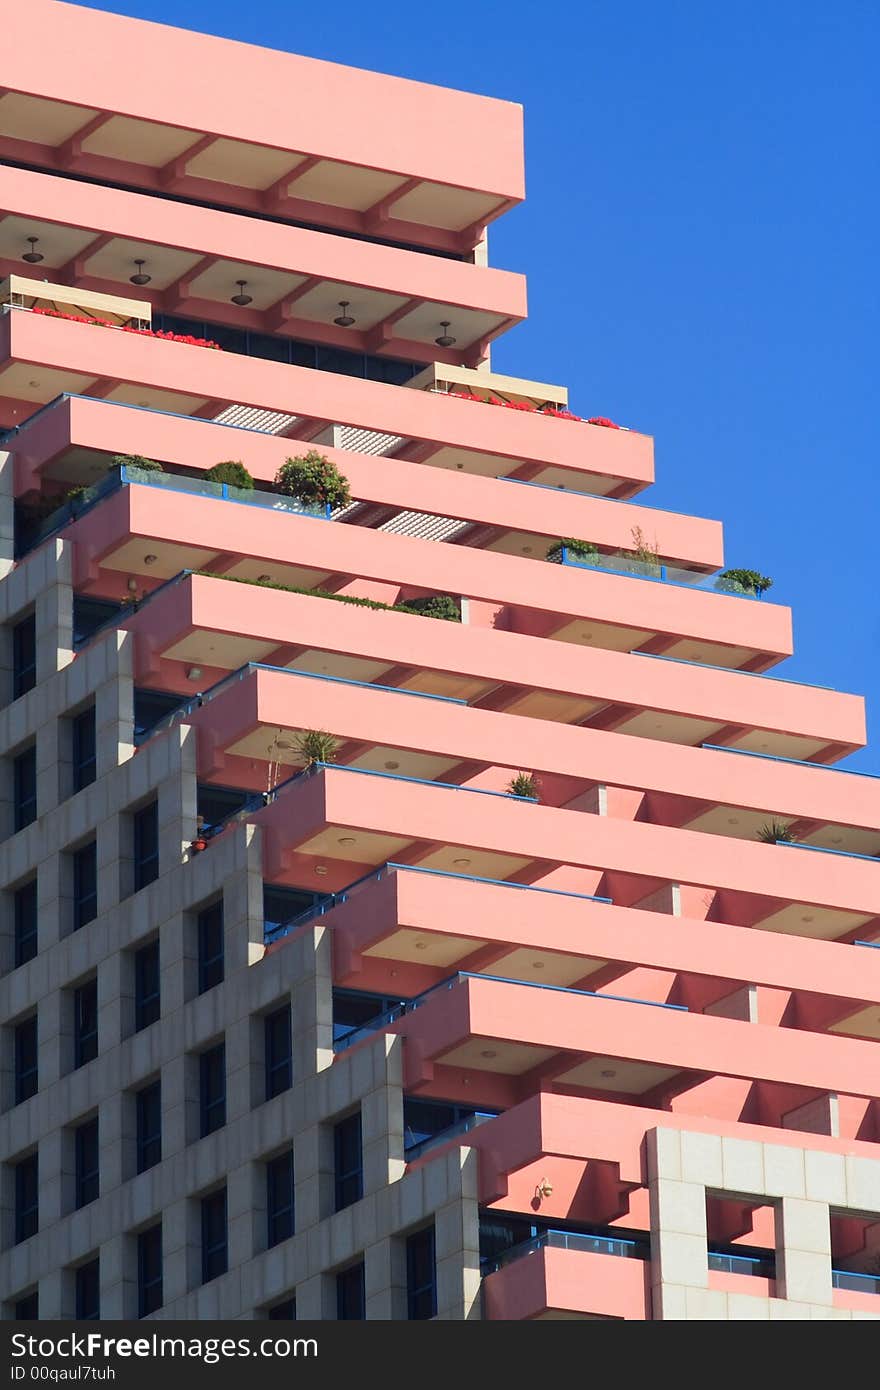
{"x": 141, "y": 278}
{"x": 445, "y": 340}
{"x": 33, "y": 257}
{"x": 344, "y": 320}
{"x": 241, "y": 298}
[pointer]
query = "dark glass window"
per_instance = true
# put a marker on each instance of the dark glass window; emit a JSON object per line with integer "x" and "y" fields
{"x": 27, "y": 1308}
{"x": 282, "y": 905}
{"x": 150, "y": 707}
{"x": 85, "y": 1023}
{"x": 27, "y": 1198}
{"x": 349, "y": 1161}
{"x": 146, "y": 845}
{"x": 89, "y": 614}
{"x": 85, "y": 885}
{"x": 285, "y": 1311}
{"x": 278, "y": 1051}
{"x": 214, "y": 1258}
{"x": 212, "y": 1089}
{"x": 24, "y": 656}
{"x": 87, "y": 1171}
{"x": 279, "y": 1198}
{"x": 84, "y": 739}
{"x": 88, "y": 1291}
{"x": 24, "y": 777}
{"x": 25, "y": 914}
{"x": 149, "y": 1256}
{"x": 26, "y": 1069}
{"x": 215, "y": 804}
{"x": 146, "y": 986}
{"x": 421, "y": 1275}
{"x": 423, "y": 1119}
{"x": 351, "y": 1294}
{"x": 148, "y": 1107}
{"x": 210, "y": 934}
{"x": 352, "y": 1009}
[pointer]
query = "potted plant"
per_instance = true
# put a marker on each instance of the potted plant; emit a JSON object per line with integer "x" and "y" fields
{"x": 743, "y": 582}
{"x": 585, "y": 551}
{"x": 315, "y": 746}
{"x": 433, "y": 606}
{"x": 524, "y": 784}
{"x": 314, "y": 481}
{"x": 232, "y": 472}
{"x": 137, "y": 461}
{"x": 775, "y": 830}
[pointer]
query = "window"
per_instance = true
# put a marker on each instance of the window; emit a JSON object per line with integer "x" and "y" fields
{"x": 85, "y": 884}
{"x": 27, "y": 1198}
{"x": 27, "y": 1308}
{"x": 212, "y": 1089}
{"x": 277, "y": 1051}
{"x": 146, "y": 986}
{"x": 146, "y": 845}
{"x": 25, "y": 913}
{"x": 279, "y": 1198}
{"x": 87, "y": 1162}
{"x": 84, "y": 742}
{"x": 85, "y": 1023}
{"x": 215, "y": 804}
{"x": 24, "y": 656}
{"x": 149, "y": 1262}
{"x": 210, "y": 943}
{"x": 88, "y": 1291}
{"x": 214, "y": 1260}
{"x": 352, "y": 1009}
{"x": 349, "y": 1162}
{"x": 90, "y": 614}
{"x": 424, "y": 1120}
{"x": 285, "y": 1311}
{"x": 282, "y": 905}
{"x": 351, "y": 1294}
{"x": 148, "y": 1108}
{"x": 26, "y": 1069}
{"x": 421, "y": 1275}
{"x": 150, "y": 707}
{"x": 24, "y": 776}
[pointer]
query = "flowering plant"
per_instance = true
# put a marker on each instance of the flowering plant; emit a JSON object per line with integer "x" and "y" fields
{"x": 537, "y": 410}
{"x": 130, "y": 328}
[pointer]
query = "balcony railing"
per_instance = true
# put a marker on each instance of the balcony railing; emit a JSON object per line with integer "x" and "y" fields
{"x": 655, "y": 570}
{"x": 731, "y": 670}
{"x": 775, "y": 757}
{"x": 445, "y": 1136}
{"x": 857, "y": 1282}
{"x": 573, "y": 1240}
{"x": 761, "y": 1266}
{"x": 334, "y": 899}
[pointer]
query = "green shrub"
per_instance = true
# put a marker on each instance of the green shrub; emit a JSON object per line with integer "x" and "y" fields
{"x": 578, "y": 550}
{"x": 137, "y": 461}
{"x": 743, "y": 582}
{"x": 524, "y": 784}
{"x": 231, "y": 471}
{"x": 314, "y": 481}
{"x": 315, "y": 746}
{"x": 434, "y": 606}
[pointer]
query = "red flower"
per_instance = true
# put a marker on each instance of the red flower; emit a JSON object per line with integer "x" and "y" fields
{"x": 602, "y": 420}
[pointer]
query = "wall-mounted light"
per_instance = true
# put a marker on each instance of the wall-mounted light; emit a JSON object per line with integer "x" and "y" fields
{"x": 194, "y": 673}
{"x": 132, "y": 585}
{"x": 33, "y": 257}
{"x": 241, "y": 299}
{"x": 544, "y": 1189}
{"x": 446, "y": 339}
{"x": 345, "y": 320}
{"x": 140, "y": 277}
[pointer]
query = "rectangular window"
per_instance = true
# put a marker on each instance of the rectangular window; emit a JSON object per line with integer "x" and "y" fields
{"x": 210, "y": 934}
{"x": 214, "y": 1259}
{"x": 84, "y": 741}
{"x": 88, "y": 1291}
{"x": 146, "y": 845}
{"x": 279, "y": 1198}
{"x": 85, "y": 1023}
{"x": 27, "y": 1308}
{"x": 349, "y": 1161}
{"x": 87, "y": 1180}
{"x": 149, "y": 1259}
{"x": 25, "y": 913}
{"x": 24, "y": 776}
{"x": 24, "y": 656}
{"x": 146, "y": 986}
{"x": 27, "y": 1198}
{"x": 85, "y": 884}
{"x": 278, "y": 1051}
{"x": 212, "y": 1089}
{"x": 351, "y": 1294}
{"x": 26, "y": 1070}
{"x": 421, "y": 1275}
{"x": 148, "y": 1107}
{"x": 283, "y": 1312}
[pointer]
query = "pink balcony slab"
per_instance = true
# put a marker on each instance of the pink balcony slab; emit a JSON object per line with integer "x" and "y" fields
{"x": 551, "y": 1283}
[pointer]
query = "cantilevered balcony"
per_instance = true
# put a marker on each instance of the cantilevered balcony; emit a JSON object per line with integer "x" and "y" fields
{"x": 562, "y": 1275}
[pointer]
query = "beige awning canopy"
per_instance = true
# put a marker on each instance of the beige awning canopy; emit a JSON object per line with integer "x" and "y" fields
{"x": 24, "y": 293}
{"x": 440, "y": 377}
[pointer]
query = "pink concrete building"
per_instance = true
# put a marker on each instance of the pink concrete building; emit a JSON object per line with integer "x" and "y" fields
{"x": 417, "y": 900}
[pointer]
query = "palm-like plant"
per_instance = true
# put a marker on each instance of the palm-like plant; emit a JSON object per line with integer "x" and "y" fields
{"x": 524, "y": 784}
{"x": 773, "y": 830}
{"x": 315, "y": 746}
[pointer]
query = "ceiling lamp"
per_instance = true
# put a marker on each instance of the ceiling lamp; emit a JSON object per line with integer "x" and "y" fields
{"x": 241, "y": 298}
{"x": 33, "y": 257}
{"x": 344, "y": 320}
{"x": 445, "y": 340}
{"x": 140, "y": 278}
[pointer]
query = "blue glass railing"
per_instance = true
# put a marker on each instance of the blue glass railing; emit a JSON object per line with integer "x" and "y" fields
{"x": 760, "y": 1265}
{"x": 657, "y": 571}
{"x": 335, "y": 899}
{"x": 445, "y": 1136}
{"x": 875, "y": 945}
{"x": 731, "y": 670}
{"x": 583, "y": 1241}
{"x": 820, "y": 849}
{"x": 775, "y": 757}
{"x": 857, "y": 1282}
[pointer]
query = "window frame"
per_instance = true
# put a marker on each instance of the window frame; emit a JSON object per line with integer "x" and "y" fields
{"x": 84, "y": 1039}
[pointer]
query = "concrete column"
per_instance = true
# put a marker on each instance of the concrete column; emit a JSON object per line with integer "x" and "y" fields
{"x": 803, "y": 1251}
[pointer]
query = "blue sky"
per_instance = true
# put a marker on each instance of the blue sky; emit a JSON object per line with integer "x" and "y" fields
{"x": 700, "y": 240}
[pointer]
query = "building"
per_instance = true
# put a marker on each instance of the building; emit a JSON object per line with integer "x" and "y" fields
{"x": 557, "y": 946}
